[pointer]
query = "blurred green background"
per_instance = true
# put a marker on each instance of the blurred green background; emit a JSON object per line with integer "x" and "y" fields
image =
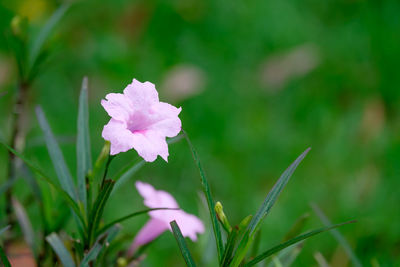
{"x": 258, "y": 81}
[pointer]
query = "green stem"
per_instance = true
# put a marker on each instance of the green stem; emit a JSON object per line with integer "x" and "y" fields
{"x": 110, "y": 158}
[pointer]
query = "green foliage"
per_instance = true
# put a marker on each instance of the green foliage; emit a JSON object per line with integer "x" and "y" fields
{"x": 182, "y": 244}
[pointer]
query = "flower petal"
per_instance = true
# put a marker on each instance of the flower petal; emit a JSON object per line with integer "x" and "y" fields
{"x": 121, "y": 139}
{"x": 151, "y": 230}
{"x": 155, "y": 198}
{"x": 167, "y": 122}
{"x": 117, "y": 106}
{"x": 189, "y": 224}
{"x": 141, "y": 94}
{"x": 149, "y": 144}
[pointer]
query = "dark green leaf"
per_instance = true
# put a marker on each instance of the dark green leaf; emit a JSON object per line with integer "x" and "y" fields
{"x": 4, "y": 259}
{"x": 134, "y": 214}
{"x": 338, "y": 236}
{"x": 63, "y": 173}
{"x": 230, "y": 245}
{"x": 62, "y": 253}
{"x": 210, "y": 201}
{"x": 264, "y": 209}
{"x": 182, "y": 244}
{"x": 45, "y": 32}
{"x": 98, "y": 208}
{"x": 43, "y": 176}
{"x": 292, "y": 241}
{"x": 84, "y": 160}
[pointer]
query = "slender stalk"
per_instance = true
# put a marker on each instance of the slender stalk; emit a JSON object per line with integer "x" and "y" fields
{"x": 17, "y": 140}
{"x": 110, "y": 158}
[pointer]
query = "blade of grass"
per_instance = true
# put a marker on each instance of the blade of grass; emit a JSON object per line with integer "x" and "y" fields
{"x": 98, "y": 208}
{"x": 210, "y": 201}
{"x": 182, "y": 244}
{"x": 91, "y": 255}
{"x": 84, "y": 160}
{"x": 134, "y": 214}
{"x": 25, "y": 224}
{"x": 264, "y": 209}
{"x": 274, "y": 193}
{"x": 61, "y": 251}
{"x": 44, "y": 177}
{"x": 4, "y": 259}
{"x": 38, "y": 42}
{"x": 230, "y": 245}
{"x": 338, "y": 236}
{"x": 292, "y": 241}
{"x": 63, "y": 173}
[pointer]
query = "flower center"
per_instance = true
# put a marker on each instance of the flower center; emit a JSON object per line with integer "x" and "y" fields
{"x": 138, "y": 122}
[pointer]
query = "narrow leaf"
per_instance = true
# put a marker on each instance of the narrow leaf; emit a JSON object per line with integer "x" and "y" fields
{"x": 45, "y": 32}
{"x": 91, "y": 255}
{"x": 182, "y": 244}
{"x": 25, "y": 224}
{"x": 84, "y": 160}
{"x": 61, "y": 251}
{"x": 98, "y": 209}
{"x": 292, "y": 241}
{"x": 264, "y": 209}
{"x": 230, "y": 245}
{"x": 210, "y": 201}
{"x": 338, "y": 236}
{"x": 126, "y": 173}
{"x": 4, "y": 259}
{"x": 63, "y": 173}
{"x": 274, "y": 193}
{"x": 43, "y": 176}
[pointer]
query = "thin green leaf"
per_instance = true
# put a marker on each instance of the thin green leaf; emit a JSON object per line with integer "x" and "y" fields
{"x": 43, "y": 176}
{"x": 126, "y": 173}
{"x": 25, "y": 224}
{"x": 210, "y": 201}
{"x": 84, "y": 160}
{"x": 98, "y": 209}
{"x": 230, "y": 245}
{"x": 91, "y": 255}
{"x": 338, "y": 236}
{"x": 4, "y": 259}
{"x": 2, "y": 230}
{"x": 182, "y": 244}
{"x": 264, "y": 209}
{"x": 292, "y": 241}
{"x": 45, "y": 32}
{"x": 63, "y": 173}
{"x": 297, "y": 227}
{"x": 134, "y": 214}
{"x": 61, "y": 251}
{"x": 288, "y": 255}
{"x": 274, "y": 193}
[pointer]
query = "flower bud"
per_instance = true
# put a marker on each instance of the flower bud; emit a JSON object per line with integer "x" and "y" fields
{"x": 219, "y": 210}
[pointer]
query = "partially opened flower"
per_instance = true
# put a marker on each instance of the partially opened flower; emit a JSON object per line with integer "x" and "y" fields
{"x": 140, "y": 121}
{"x": 160, "y": 220}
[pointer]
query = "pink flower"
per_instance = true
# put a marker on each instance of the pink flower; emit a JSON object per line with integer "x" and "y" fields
{"x": 189, "y": 224}
{"x": 140, "y": 121}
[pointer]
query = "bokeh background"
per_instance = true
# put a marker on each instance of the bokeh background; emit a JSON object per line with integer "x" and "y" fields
{"x": 258, "y": 81}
